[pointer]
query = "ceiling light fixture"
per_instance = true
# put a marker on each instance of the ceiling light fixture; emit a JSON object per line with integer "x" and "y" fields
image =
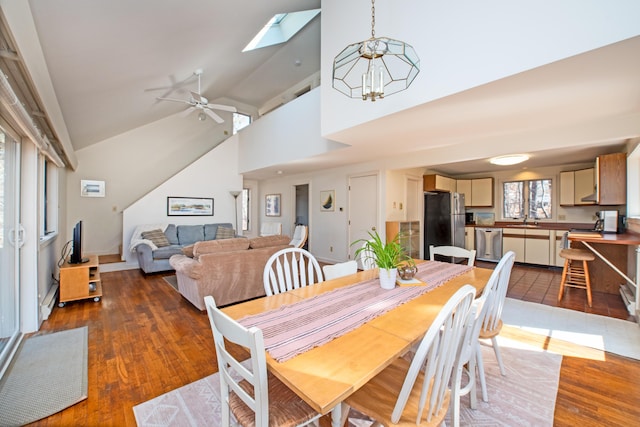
{"x": 202, "y": 116}
{"x": 376, "y": 67}
{"x": 508, "y": 160}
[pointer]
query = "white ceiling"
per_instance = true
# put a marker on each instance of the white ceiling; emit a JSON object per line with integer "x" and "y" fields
{"x": 109, "y": 59}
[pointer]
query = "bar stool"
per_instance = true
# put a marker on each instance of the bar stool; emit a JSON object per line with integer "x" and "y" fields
{"x": 575, "y": 273}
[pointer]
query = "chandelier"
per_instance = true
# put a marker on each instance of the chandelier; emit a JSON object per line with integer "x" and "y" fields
{"x": 376, "y": 67}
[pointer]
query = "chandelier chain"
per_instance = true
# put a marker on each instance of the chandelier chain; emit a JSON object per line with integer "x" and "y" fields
{"x": 373, "y": 19}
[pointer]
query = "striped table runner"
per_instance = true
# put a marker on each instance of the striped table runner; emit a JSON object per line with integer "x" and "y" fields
{"x": 295, "y": 328}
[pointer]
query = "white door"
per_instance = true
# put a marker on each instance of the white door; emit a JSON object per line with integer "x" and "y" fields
{"x": 413, "y": 198}
{"x": 363, "y": 209}
{"x": 10, "y": 240}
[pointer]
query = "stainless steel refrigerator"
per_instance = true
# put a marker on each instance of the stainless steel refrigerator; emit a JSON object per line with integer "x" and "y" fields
{"x": 444, "y": 221}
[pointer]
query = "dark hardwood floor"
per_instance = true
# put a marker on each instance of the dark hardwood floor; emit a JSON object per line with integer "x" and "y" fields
{"x": 145, "y": 340}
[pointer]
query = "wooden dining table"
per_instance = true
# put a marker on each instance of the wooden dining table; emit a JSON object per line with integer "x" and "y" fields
{"x": 325, "y": 375}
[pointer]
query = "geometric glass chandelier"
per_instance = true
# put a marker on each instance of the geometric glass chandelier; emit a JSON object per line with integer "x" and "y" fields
{"x": 375, "y": 68}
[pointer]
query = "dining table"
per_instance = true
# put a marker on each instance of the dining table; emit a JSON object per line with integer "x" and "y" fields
{"x": 326, "y": 374}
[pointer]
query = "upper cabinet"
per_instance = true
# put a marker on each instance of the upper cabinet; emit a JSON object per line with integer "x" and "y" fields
{"x": 611, "y": 172}
{"x": 575, "y": 185}
{"x": 478, "y": 192}
{"x": 439, "y": 183}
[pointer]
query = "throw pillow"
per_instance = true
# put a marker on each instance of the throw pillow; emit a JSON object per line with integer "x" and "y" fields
{"x": 157, "y": 237}
{"x": 225, "y": 233}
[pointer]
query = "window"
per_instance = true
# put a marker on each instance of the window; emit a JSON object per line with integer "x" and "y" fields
{"x": 48, "y": 189}
{"x": 240, "y": 121}
{"x": 245, "y": 209}
{"x": 530, "y": 199}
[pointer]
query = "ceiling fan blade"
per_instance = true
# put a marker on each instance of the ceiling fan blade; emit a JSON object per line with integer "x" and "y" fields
{"x": 199, "y": 98}
{"x": 188, "y": 111}
{"x": 228, "y": 108}
{"x": 174, "y": 100}
{"x": 213, "y": 115}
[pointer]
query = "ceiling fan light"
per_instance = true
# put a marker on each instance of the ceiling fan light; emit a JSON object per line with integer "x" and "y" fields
{"x": 202, "y": 116}
{"x": 510, "y": 159}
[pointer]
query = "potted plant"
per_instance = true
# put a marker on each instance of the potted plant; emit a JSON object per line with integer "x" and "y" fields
{"x": 387, "y": 256}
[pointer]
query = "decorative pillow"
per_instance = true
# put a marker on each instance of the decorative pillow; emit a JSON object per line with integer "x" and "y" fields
{"x": 157, "y": 237}
{"x": 225, "y": 233}
{"x": 267, "y": 241}
{"x": 188, "y": 250}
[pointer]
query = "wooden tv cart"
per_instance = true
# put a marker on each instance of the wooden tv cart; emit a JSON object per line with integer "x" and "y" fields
{"x": 80, "y": 281}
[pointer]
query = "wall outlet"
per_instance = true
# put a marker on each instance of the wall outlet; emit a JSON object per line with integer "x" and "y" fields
{"x": 330, "y": 248}
{"x": 562, "y": 217}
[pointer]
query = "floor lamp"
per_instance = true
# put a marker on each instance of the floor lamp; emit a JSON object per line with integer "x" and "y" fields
{"x": 235, "y": 195}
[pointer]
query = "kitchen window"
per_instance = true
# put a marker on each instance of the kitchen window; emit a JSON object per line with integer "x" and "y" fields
{"x": 527, "y": 199}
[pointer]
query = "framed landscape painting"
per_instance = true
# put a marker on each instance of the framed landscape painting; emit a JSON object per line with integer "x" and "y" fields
{"x": 272, "y": 205}
{"x": 189, "y": 206}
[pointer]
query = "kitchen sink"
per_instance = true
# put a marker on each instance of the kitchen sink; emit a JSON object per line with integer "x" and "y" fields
{"x": 523, "y": 226}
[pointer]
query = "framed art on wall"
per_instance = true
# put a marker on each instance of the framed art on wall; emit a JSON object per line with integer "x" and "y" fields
{"x": 90, "y": 188}
{"x": 272, "y": 205}
{"x": 327, "y": 201}
{"x": 189, "y": 206}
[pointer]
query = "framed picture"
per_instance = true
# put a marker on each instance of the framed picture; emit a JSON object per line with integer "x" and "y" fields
{"x": 189, "y": 206}
{"x": 327, "y": 200}
{"x": 90, "y": 188}
{"x": 272, "y": 205}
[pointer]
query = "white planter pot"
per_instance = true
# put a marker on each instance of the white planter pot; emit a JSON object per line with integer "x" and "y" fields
{"x": 388, "y": 278}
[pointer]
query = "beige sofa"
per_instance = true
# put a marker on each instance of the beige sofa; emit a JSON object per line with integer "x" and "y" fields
{"x": 230, "y": 270}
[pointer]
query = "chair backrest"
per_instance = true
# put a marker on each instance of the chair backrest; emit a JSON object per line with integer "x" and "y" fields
{"x": 339, "y": 269}
{"x": 436, "y": 356}
{"x": 290, "y": 268}
{"x": 299, "y": 236}
{"x": 232, "y": 371}
{"x": 367, "y": 258}
{"x": 498, "y": 284}
{"x": 452, "y": 251}
{"x": 270, "y": 228}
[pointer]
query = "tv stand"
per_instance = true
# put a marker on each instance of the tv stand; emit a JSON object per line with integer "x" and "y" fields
{"x": 80, "y": 281}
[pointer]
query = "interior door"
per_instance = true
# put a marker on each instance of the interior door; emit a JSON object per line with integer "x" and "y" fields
{"x": 413, "y": 196}
{"x": 363, "y": 209}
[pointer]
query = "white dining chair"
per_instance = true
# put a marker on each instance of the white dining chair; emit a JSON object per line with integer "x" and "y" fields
{"x": 492, "y": 322}
{"x": 391, "y": 398}
{"x": 254, "y": 396}
{"x": 452, "y": 251}
{"x": 270, "y": 229}
{"x": 290, "y": 268}
{"x": 367, "y": 258}
{"x": 339, "y": 269}
{"x": 300, "y": 234}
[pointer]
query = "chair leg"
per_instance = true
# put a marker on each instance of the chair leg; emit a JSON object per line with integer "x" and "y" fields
{"x": 473, "y": 396}
{"x": 587, "y": 281}
{"x": 563, "y": 279}
{"x": 456, "y": 384}
{"x": 483, "y": 382}
{"x": 496, "y": 350}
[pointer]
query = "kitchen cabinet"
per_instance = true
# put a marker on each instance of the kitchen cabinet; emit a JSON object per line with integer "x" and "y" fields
{"x": 574, "y": 185}
{"x": 611, "y": 174}
{"x": 408, "y": 233}
{"x": 531, "y": 246}
{"x": 469, "y": 238}
{"x": 478, "y": 192}
{"x": 556, "y": 246}
{"x": 439, "y": 183}
{"x": 513, "y": 240}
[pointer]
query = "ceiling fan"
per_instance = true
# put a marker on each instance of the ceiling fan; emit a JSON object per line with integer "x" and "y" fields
{"x": 199, "y": 102}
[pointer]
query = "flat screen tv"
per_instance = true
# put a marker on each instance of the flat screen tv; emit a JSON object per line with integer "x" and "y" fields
{"x": 76, "y": 253}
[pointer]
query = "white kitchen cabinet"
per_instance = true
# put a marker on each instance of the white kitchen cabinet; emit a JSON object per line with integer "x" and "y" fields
{"x": 513, "y": 240}
{"x": 469, "y": 238}
{"x": 556, "y": 247}
{"x": 574, "y": 185}
{"x": 463, "y": 186}
{"x": 439, "y": 183}
{"x": 478, "y": 192}
{"x": 536, "y": 247}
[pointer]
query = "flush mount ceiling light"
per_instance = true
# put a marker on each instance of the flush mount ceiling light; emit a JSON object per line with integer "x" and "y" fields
{"x": 376, "y": 67}
{"x": 510, "y": 159}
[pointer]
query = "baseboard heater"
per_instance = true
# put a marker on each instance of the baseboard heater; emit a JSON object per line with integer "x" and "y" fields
{"x": 49, "y": 301}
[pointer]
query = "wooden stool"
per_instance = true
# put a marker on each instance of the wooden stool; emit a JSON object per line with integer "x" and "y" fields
{"x": 576, "y": 274}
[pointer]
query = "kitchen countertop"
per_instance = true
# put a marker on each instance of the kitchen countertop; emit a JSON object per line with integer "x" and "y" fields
{"x": 539, "y": 226}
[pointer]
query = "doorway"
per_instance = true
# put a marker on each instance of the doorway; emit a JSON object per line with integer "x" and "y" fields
{"x": 302, "y": 209}
{"x": 363, "y": 209}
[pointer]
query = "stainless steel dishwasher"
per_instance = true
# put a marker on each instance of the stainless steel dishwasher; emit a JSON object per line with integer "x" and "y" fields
{"x": 489, "y": 244}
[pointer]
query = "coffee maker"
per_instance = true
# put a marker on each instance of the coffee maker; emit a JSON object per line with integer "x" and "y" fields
{"x": 607, "y": 221}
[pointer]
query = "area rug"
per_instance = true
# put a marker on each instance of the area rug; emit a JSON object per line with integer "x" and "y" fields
{"x": 604, "y": 333}
{"x": 525, "y": 397}
{"x": 48, "y": 375}
{"x": 172, "y": 280}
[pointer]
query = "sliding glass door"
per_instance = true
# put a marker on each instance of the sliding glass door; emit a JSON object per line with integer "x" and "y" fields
{"x": 9, "y": 246}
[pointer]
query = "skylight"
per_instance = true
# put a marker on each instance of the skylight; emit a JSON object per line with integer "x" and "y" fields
{"x": 280, "y": 28}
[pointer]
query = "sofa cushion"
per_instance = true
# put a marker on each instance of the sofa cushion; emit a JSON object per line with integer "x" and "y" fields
{"x": 167, "y": 252}
{"x": 225, "y": 233}
{"x": 156, "y": 236}
{"x": 218, "y": 246}
{"x": 266, "y": 241}
{"x": 189, "y": 234}
{"x": 172, "y": 234}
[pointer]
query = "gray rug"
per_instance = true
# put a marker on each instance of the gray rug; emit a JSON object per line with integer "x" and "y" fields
{"x": 525, "y": 397}
{"x": 172, "y": 280}
{"x": 48, "y": 375}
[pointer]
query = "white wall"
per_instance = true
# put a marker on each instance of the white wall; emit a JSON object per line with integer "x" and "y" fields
{"x": 131, "y": 165}
{"x": 464, "y": 44}
{"x": 212, "y": 175}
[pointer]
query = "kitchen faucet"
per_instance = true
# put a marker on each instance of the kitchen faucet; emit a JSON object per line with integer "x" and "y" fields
{"x": 525, "y": 220}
